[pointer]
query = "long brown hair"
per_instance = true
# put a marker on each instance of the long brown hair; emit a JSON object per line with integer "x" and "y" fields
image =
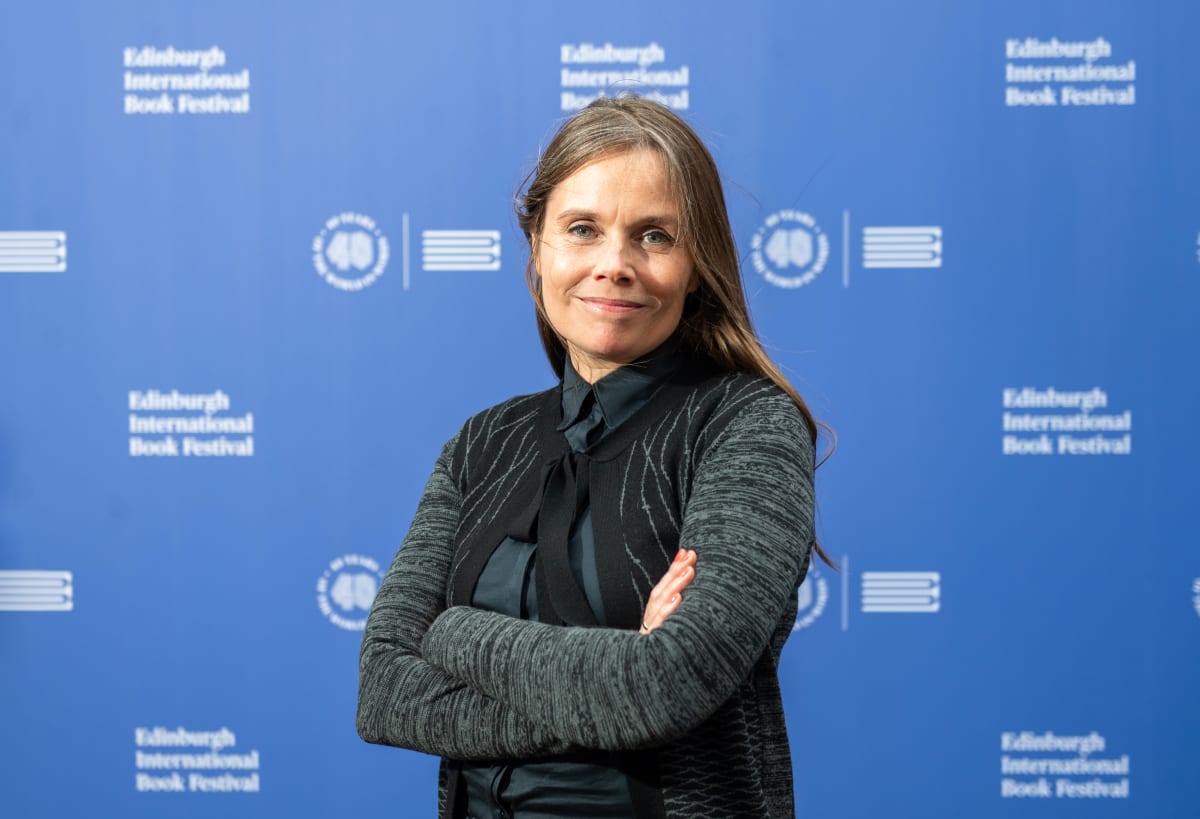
{"x": 716, "y": 320}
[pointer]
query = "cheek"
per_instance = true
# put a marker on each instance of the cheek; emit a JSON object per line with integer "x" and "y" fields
{"x": 547, "y": 268}
{"x": 553, "y": 291}
{"x": 560, "y": 273}
{"x": 684, "y": 280}
{"x": 551, "y": 286}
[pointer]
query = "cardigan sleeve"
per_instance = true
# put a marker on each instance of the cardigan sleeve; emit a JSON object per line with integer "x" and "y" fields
{"x": 750, "y": 519}
{"x": 402, "y": 699}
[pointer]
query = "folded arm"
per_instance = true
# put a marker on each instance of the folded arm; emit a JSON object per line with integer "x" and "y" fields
{"x": 402, "y": 699}
{"x": 749, "y": 519}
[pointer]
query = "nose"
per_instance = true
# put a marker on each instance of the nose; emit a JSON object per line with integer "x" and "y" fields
{"x": 615, "y": 260}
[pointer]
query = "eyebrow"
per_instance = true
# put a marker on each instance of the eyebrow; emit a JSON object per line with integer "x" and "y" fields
{"x": 572, "y": 214}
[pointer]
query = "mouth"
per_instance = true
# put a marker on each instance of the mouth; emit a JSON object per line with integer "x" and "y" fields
{"x": 604, "y": 305}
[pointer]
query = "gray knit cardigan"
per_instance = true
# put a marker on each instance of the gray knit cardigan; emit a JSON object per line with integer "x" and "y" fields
{"x": 720, "y": 464}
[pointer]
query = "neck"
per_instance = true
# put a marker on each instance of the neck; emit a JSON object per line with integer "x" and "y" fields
{"x": 590, "y": 369}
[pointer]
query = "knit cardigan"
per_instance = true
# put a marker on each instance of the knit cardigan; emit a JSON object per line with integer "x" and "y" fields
{"x": 721, "y": 464}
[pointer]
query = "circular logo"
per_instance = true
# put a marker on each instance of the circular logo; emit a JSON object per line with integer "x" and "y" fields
{"x": 346, "y": 590}
{"x": 814, "y": 595}
{"x": 790, "y": 249}
{"x": 350, "y": 252}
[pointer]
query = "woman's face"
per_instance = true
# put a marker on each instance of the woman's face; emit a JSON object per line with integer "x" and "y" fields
{"x": 613, "y": 277}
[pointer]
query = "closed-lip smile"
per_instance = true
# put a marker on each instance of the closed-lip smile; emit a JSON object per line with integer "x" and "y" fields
{"x": 613, "y": 305}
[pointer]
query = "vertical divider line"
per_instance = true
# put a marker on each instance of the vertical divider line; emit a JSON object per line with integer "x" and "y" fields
{"x": 845, "y": 592}
{"x": 845, "y": 248}
{"x": 404, "y": 248}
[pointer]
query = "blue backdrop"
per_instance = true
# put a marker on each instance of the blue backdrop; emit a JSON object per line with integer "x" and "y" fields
{"x": 258, "y": 261}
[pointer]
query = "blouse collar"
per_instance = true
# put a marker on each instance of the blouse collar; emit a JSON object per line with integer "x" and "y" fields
{"x": 625, "y": 390}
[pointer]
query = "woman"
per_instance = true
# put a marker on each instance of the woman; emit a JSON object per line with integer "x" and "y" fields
{"x": 586, "y": 615}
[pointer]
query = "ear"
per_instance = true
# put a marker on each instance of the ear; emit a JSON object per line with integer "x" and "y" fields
{"x": 694, "y": 284}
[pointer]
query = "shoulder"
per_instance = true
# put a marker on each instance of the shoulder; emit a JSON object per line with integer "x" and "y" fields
{"x": 738, "y": 392}
{"x": 520, "y": 409}
{"x": 739, "y": 416}
{"x": 500, "y": 430}
{"x": 740, "y": 399}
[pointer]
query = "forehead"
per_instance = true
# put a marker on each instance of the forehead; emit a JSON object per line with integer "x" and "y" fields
{"x": 636, "y": 178}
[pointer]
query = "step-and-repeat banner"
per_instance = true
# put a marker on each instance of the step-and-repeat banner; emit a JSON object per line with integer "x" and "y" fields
{"x": 258, "y": 261}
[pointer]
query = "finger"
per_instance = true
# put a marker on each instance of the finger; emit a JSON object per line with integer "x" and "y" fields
{"x": 682, "y": 557}
{"x": 688, "y": 560}
{"x": 678, "y": 582}
{"x": 681, "y": 562}
{"x": 664, "y": 611}
{"x": 683, "y": 570}
{"x": 659, "y": 611}
{"x": 656, "y": 610}
{"x": 677, "y": 578}
{"x": 666, "y": 596}
{"x": 657, "y": 620}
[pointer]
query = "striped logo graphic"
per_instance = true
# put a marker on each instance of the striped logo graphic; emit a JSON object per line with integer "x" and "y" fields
{"x": 897, "y": 592}
{"x": 902, "y": 246}
{"x": 36, "y": 591}
{"x": 460, "y": 250}
{"x": 33, "y": 251}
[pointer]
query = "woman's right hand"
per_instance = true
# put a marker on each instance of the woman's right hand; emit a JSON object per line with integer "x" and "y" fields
{"x": 668, "y": 594}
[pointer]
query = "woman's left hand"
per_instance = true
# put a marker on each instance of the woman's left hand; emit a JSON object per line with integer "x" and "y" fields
{"x": 668, "y": 594}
